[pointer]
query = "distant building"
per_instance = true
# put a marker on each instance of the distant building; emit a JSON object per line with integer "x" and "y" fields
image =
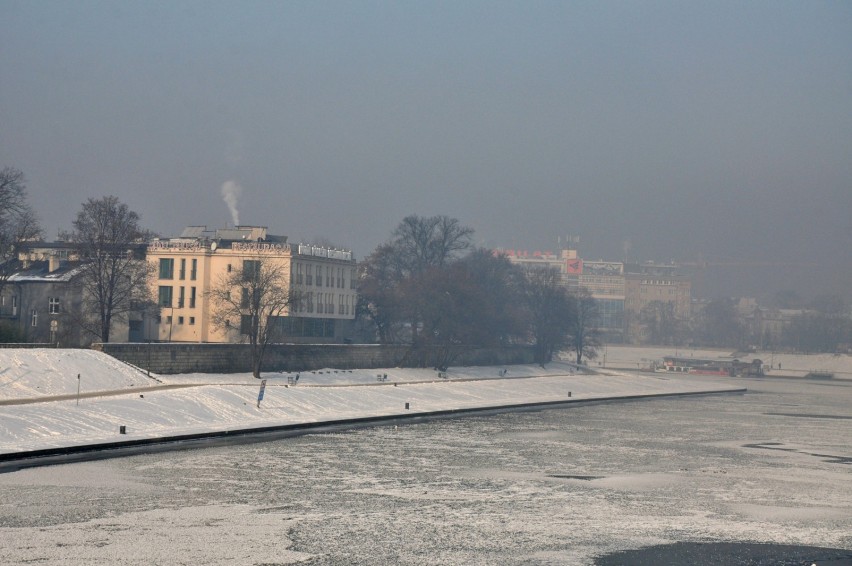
{"x": 186, "y": 268}
{"x": 603, "y": 279}
{"x": 764, "y": 325}
{"x": 566, "y": 262}
{"x": 42, "y": 296}
{"x": 650, "y": 282}
{"x": 606, "y": 282}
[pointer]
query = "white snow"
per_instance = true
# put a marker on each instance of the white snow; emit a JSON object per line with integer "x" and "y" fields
{"x": 40, "y": 409}
{"x": 796, "y": 365}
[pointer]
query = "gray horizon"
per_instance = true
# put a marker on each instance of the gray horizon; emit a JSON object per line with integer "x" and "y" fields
{"x": 718, "y": 133}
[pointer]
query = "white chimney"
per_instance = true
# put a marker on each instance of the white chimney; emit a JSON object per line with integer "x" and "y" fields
{"x": 52, "y": 263}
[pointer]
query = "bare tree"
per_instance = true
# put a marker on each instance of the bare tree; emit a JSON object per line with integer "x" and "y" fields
{"x": 719, "y": 325}
{"x": 661, "y": 323}
{"x": 18, "y": 221}
{"x": 110, "y": 242}
{"x": 584, "y": 336}
{"x": 253, "y": 300}
{"x": 421, "y": 243}
{"x": 378, "y": 294}
{"x": 551, "y": 312}
{"x": 418, "y": 244}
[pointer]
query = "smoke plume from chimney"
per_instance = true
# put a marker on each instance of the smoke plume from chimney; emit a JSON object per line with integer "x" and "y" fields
{"x": 231, "y": 192}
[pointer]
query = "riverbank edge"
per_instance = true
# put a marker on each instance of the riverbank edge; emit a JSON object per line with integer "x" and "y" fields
{"x": 13, "y": 461}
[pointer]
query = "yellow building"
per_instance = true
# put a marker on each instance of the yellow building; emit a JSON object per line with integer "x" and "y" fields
{"x": 185, "y": 270}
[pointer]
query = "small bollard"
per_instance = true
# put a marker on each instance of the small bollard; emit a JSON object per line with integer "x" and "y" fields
{"x": 122, "y": 429}
{"x": 569, "y": 393}
{"x": 406, "y": 405}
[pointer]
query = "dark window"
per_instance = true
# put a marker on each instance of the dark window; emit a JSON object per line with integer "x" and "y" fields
{"x": 251, "y": 269}
{"x": 167, "y": 268}
{"x": 165, "y": 296}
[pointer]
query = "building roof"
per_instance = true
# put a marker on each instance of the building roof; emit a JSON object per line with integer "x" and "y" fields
{"x": 235, "y": 234}
{"x": 39, "y": 271}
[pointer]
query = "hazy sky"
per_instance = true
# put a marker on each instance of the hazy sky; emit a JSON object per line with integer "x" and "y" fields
{"x": 720, "y": 130}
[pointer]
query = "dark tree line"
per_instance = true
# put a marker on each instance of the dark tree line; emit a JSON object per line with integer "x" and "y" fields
{"x": 825, "y": 325}
{"x": 430, "y": 288}
{"x": 821, "y": 325}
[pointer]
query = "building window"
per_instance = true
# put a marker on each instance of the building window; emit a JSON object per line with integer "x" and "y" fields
{"x": 229, "y": 268}
{"x": 53, "y": 305}
{"x": 34, "y": 317}
{"x": 182, "y": 273}
{"x": 319, "y": 276}
{"x": 244, "y": 298}
{"x": 165, "y": 296}
{"x": 191, "y": 320}
{"x": 181, "y": 297}
{"x": 180, "y": 320}
{"x": 194, "y": 271}
{"x": 251, "y": 269}
{"x": 167, "y": 268}
{"x": 192, "y": 297}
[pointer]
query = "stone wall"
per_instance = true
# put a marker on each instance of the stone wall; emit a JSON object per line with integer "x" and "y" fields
{"x": 174, "y": 358}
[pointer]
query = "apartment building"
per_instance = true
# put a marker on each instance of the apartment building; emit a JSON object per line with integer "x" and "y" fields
{"x": 188, "y": 267}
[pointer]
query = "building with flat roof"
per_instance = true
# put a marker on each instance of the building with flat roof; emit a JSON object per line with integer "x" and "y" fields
{"x": 604, "y": 280}
{"x": 188, "y": 267}
{"x": 45, "y": 298}
{"x": 649, "y": 284}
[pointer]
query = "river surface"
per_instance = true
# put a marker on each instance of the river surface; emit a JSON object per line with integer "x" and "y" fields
{"x": 580, "y": 485}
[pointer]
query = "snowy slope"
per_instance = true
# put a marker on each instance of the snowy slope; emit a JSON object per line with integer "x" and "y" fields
{"x": 208, "y": 403}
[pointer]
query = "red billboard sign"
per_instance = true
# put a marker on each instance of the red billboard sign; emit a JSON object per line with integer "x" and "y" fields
{"x": 574, "y": 266}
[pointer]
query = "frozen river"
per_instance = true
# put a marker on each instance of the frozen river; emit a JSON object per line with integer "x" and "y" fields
{"x": 556, "y": 486}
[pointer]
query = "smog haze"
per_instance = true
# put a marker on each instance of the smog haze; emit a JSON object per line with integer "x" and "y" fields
{"x": 700, "y": 132}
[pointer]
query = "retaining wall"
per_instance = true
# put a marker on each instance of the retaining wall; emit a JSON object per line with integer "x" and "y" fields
{"x": 174, "y": 358}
